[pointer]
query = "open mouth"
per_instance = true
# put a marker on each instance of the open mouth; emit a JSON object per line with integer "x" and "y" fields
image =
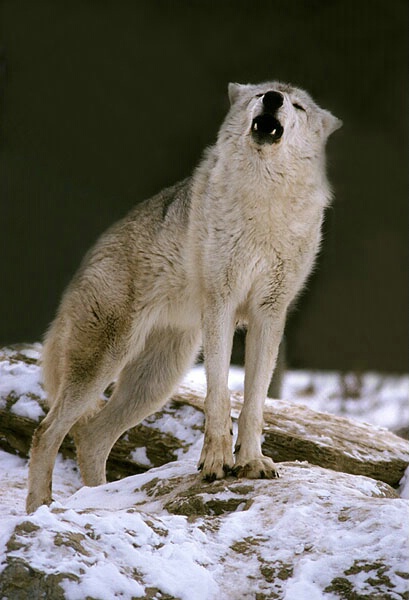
{"x": 266, "y": 129}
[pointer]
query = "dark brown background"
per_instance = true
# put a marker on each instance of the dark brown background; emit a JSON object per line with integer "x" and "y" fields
{"x": 104, "y": 103}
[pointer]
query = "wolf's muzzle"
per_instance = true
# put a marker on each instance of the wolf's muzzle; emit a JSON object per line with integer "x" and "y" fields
{"x": 266, "y": 128}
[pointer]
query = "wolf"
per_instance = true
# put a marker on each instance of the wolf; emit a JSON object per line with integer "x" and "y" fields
{"x": 232, "y": 244}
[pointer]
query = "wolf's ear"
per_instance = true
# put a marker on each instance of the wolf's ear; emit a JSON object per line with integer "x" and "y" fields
{"x": 329, "y": 122}
{"x": 235, "y": 90}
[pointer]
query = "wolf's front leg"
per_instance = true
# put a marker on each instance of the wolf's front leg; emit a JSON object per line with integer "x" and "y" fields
{"x": 262, "y": 342}
{"x": 216, "y": 459}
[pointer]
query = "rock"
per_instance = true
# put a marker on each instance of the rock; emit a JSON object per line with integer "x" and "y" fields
{"x": 324, "y": 529}
{"x": 167, "y": 534}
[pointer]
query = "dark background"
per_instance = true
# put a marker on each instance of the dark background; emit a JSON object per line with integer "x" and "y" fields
{"x": 104, "y": 103}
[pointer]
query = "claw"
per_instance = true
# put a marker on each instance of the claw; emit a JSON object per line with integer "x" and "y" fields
{"x": 254, "y": 471}
{"x": 227, "y": 469}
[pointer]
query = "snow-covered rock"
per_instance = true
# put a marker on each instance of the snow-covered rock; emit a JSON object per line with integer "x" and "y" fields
{"x": 312, "y": 533}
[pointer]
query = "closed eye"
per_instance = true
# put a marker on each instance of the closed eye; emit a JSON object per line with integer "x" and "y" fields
{"x": 298, "y": 106}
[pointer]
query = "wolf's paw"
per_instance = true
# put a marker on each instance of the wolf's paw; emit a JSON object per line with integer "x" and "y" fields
{"x": 34, "y": 501}
{"x": 258, "y": 468}
{"x": 216, "y": 460}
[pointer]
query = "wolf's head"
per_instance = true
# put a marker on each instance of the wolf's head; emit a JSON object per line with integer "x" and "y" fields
{"x": 273, "y": 114}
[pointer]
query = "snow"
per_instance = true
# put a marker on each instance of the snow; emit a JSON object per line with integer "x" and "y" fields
{"x": 404, "y": 485}
{"x": 187, "y": 427}
{"x": 104, "y": 582}
{"x": 21, "y": 380}
{"x": 119, "y": 534}
{"x": 140, "y": 456}
{"x": 124, "y": 539}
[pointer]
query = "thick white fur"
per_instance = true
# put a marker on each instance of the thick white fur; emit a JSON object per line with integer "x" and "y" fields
{"x": 233, "y": 243}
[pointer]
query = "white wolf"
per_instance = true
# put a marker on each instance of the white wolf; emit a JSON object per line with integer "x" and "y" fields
{"x": 233, "y": 243}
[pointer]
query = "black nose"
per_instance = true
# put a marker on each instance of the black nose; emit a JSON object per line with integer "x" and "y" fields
{"x": 272, "y": 101}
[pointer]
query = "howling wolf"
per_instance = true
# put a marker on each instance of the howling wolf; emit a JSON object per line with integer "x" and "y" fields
{"x": 234, "y": 243}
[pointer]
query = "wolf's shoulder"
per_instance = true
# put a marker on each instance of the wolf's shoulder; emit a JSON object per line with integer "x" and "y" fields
{"x": 171, "y": 203}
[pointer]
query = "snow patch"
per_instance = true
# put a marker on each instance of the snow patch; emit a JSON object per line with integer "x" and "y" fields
{"x": 127, "y": 540}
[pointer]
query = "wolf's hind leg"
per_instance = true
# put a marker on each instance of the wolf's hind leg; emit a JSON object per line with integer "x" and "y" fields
{"x": 73, "y": 400}
{"x": 143, "y": 387}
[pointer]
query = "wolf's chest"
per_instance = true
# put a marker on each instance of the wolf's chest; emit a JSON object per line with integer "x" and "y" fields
{"x": 269, "y": 259}
{"x": 294, "y": 241}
